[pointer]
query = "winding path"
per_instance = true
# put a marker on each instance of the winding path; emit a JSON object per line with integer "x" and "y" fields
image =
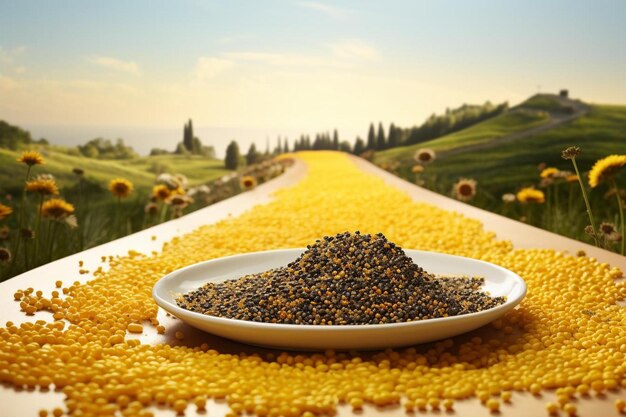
{"x": 557, "y": 119}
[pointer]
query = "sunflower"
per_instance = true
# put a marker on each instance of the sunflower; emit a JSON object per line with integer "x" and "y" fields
{"x": 120, "y": 187}
{"x": 161, "y": 191}
{"x": 550, "y": 172}
{"x": 465, "y": 189}
{"x": 417, "y": 169}
{"x": 56, "y": 209}
{"x": 151, "y": 209}
{"x": 424, "y": 156}
{"x": 571, "y": 178}
{"x": 5, "y": 232}
{"x": 248, "y": 182}
{"x": 605, "y": 168}
{"x": 42, "y": 185}
{"x": 5, "y": 211}
{"x": 31, "y": 158}
{"x": 5, "y": 255}
{"x": 531, "y": 195}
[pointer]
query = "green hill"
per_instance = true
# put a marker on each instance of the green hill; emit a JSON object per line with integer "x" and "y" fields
{"x": 141, "y": 171}
{"x": 503, "y": 152}
{"x": 501, "y": 125}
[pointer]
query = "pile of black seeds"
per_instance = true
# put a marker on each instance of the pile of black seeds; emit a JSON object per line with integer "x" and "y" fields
{"x": 345, "y": 279}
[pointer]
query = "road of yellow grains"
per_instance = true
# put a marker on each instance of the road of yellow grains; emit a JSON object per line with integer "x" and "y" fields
{"x": 568, "y": 333}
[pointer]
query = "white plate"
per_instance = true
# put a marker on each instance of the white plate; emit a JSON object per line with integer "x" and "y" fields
{"x": 498, "y": 281}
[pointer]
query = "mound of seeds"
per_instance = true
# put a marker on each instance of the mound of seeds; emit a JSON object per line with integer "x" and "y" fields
{"x": 345, "y": 279}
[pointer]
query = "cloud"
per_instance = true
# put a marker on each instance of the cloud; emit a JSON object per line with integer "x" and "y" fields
{"x": 129, "y": 67}
{"x": 207, "y": 68}
{"x": 9, "y": 58}
{"x": 278, "y": 59}
{"x": 330, "y": 11}
{"x": 353, "y": 49}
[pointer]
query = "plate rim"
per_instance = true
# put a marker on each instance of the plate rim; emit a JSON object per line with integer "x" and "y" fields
{"x": 174, "y": 309}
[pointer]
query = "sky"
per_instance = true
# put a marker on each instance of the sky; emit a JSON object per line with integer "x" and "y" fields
{"x": 248, "y": 70}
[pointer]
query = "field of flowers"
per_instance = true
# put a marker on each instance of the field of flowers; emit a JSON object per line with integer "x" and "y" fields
{"x": 568, "y": 335}
{"x": 47, "y": 221}
{"x": 585, "y": 205}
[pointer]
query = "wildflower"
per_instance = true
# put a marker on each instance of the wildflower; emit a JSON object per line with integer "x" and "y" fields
{"x": 571, "y": 178}
{"x": 571, "y": 152}
{"x": 5, "y": 211}
{"x": 424, "y": 156}
{"x": 180, "y": 201}
{"x": 531, "y": 195}
{"x": 42, "y": 185}
{"x": 417, "y": 169}
{"x": 71, "y": 221}
{"x": 541, "y": 166}
{"x": 31, "y": 158}
{"x": 610, "y": 232}
{"x": 27, "y": 234}
{"x": 465, "y": 189}
{"x": 550, "y": 172}
{"x": 56, "y": 209}
{"x": 509, "y": 198}
{"x": 181, "y": 180}
{"x": 120, "y": 187}
{"x": 78, "y": 171}
{"x": 5, "y": 232}
{"x": 172, "y": 181}
{"x": 5, "y": 255}
{"x": 161, "y": 191}
{"x": 248, "y": 182}
{"x": 151, "y": 209}
{"x": 605, "y": 168}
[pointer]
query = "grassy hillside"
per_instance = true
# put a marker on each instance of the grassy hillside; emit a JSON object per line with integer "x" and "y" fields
{"x": 141, "y": 171}
{"x": 501, "y": 125}
{"x": 511, "y": 165}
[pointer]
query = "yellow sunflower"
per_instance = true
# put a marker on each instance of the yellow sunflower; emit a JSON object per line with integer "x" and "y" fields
{"x": 531, "y": 195}
{"x": 5, "y": 211}
{"x": 31, "y": 158}
{"x": 550, "y": 172}
{"x": 605, "y": 168}
{"x": 424, "y": 156}
{"x": 43, "y": 186}
{"x": 161, "y": 191}
{"x": 417, "y": 169}
{"x": 248, "y": 182}
{"x": 465, "y": 189}
{"x": 120, "y": 187}
{"x": 56, "y": 209}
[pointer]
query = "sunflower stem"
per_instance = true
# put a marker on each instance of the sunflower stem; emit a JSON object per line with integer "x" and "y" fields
{"x": 621, "y": 213}
{"x": 37, "y": 227}
{"x": 582, "y": 188}
{"x": 20, "y": 220}
{"x": 50, "y": 238}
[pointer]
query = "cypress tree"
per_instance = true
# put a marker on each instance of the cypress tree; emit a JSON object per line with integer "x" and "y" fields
{"x": 252, "y": 155}
{"x": 381, "y": 143}
{"x": 393, "y": 139}
{"x": 371, "y": 138}
{"x": 232, "y": 156}
{"x": 335, "y": 140}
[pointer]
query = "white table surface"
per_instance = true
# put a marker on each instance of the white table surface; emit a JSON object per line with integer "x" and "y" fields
{"x": 24, "y": 403}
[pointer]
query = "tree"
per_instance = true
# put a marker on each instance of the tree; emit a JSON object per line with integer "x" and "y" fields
{"x": 232, "y": 156}
{"x": 359, "y": 146}
{"x": 381, "y": 143}
{"x": 286, "y": 146}
{"x": 371, "y": 138}
{"x": 252, "y": 156}
{"x": 335, "y": 140}
{"x": 393, "y": 139}
{"x": 344, "y": 146}
{"x": 188, "y": 136}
